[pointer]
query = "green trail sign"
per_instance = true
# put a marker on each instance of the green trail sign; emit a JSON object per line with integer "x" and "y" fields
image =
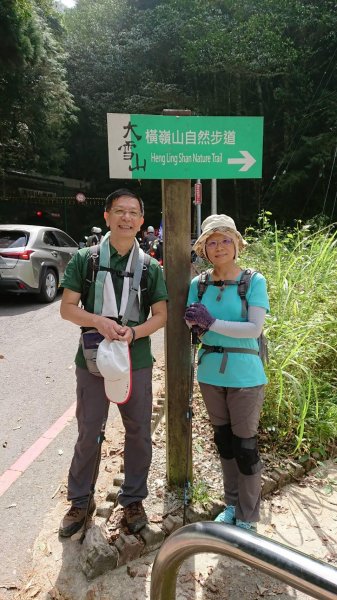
{"x": 172, "y": 147}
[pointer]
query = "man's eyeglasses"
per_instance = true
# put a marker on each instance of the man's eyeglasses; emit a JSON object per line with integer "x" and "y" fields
{"x": 215, "y": 243}
{"x": 120, "y": 212}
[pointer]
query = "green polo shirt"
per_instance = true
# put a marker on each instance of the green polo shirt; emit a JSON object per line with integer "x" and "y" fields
{"x": 74, "y": 277}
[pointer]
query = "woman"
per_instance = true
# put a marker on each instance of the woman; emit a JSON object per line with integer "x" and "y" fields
{"x": 230, "y": 371}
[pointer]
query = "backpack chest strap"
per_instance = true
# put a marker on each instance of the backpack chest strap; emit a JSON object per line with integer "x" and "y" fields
{"x": 242, "y": 284}
{"x": 116, "y": 272}
{"x": 224, "y": 350}
{"x": 105, "y": 296}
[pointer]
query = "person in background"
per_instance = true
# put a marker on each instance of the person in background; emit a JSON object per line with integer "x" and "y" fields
{"x": 95, "y": 237}
{"x": 156, "y": 250}
{"x": 124, "y": 216}
{"x": 149, "y": 238}
{"x": 230, "y": 371}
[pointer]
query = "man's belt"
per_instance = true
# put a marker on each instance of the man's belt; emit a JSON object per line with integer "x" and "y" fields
{"x": 224, "y": 350}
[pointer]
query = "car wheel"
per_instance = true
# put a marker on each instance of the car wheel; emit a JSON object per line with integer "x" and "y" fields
{"x": 48, "y": 286}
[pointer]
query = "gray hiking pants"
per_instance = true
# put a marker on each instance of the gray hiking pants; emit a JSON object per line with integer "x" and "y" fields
{"x": 240, "y": 409}
{"x": 92, "y": 409}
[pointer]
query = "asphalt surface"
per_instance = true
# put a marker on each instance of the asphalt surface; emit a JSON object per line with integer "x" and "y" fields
{"x": 37, "y": 374}
{"x": 37, "y": 387}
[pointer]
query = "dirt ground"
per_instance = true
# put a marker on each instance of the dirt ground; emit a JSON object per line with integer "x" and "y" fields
{"x": 302, "y": 515}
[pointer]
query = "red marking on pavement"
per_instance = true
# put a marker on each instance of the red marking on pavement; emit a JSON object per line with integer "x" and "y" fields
{"x": 20, "y": 466}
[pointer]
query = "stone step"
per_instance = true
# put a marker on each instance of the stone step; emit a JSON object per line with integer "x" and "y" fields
{"x": 112, "y": 493}
{"x": 118, "y": 480}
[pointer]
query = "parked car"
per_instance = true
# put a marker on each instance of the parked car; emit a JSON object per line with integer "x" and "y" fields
{"x": 33, "y": 259}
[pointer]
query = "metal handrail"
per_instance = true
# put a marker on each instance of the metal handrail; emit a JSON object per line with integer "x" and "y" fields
{"x": 294, "y": 568}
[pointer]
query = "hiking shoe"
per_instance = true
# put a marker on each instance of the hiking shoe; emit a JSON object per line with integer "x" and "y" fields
{"x": 74, "y": 519}
{"x": 135, "y": 516}
{"x": 226, "y": 516}
{"x": 246, "y": 525}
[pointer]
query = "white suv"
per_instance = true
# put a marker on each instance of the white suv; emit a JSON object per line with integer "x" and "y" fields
{"x": 33, "y": 259}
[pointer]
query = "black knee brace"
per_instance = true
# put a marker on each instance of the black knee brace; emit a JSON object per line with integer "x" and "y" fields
{"x": 247, "y": 455}
{"x": 223, "y": 439}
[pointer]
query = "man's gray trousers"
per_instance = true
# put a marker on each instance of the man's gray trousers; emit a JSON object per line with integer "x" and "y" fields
{"x": 92, "y": 409}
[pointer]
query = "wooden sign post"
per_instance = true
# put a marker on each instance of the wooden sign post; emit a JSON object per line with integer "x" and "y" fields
{"x": 176, "y": 208}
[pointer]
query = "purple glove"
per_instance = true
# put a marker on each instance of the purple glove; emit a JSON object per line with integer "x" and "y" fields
{"x": 198, "y": 314}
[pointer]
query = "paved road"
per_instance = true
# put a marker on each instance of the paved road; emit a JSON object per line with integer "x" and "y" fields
{"x": 37, "y": 349}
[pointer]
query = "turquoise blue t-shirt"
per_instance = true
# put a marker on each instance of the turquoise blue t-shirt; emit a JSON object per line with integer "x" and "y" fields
{"x": 242, "y": 370}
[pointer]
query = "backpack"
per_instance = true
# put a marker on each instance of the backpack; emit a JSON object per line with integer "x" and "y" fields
{"x": 92, "y": 240}
{"x": 242, "y": 285}
{"x": 93, "y": 268}
{"x": 156, "y": 250}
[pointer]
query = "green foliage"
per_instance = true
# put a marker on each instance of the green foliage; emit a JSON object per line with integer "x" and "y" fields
{"x": 16, "y": 30}
{"x": 200, "y": 493}
{"x": 220, "y": 57}
{"x": 197, "y": 493}
{"x": 36, "y": 107}
{"x": 300, "y": 267}
{"x": 274, "y": 58}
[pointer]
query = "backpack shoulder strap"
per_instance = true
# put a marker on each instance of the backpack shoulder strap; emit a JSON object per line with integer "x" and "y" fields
{"x": 144, "y": 282}
{"x": 133, "y": 292}
{"x": 145, "y": 272}
{"x": 243, "y": 286}
{"x": 203, "y": 280}
{"x": 92, "y": 270}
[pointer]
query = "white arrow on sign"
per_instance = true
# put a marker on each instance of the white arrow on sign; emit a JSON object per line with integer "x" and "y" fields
{"x": 247, "y": 161}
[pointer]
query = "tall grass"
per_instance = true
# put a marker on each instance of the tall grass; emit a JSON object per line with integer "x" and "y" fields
{"x": 300, "y": 266}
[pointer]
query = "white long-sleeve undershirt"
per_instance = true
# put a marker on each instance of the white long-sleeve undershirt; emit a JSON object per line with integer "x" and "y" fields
{"x": 246, "y": 329}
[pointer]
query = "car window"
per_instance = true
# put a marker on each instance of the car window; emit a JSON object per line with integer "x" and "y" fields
{"x": 13, "y": 239}
{"x": 64, "y": 239}
{"x": 50, "y": 239}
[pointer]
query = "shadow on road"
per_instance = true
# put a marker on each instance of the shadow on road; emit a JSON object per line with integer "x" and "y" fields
{"x": 19, "y": 304}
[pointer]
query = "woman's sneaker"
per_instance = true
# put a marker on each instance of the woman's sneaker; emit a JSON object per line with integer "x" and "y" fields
{"x": 227, "y": 516}
{"x": 246, "y": 525}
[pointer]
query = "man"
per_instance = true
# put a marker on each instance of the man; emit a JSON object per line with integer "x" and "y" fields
{"x": 124, "y": 216}
{"x": 149, "y": 238}
{"x": 95, "y": 237}
{"x": 156, "y": 250}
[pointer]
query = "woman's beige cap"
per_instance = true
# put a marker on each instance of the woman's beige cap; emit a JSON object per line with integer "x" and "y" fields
{"x": 215, "y": 223}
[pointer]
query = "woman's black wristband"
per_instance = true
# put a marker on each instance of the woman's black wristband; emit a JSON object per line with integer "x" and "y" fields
{"x": 133, "y": 336}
